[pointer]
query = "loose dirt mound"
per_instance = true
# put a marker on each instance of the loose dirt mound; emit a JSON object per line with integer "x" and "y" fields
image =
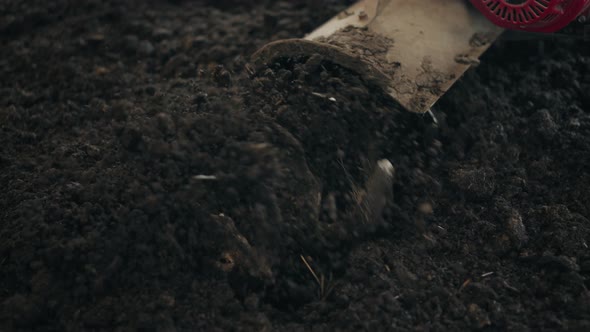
{"x": 151, "y": 181}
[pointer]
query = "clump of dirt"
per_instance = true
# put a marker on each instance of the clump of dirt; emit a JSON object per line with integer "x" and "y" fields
{"x": 361, "y": 42}
{"x": 151, "y": 181}
{"x": 309, "y": 96}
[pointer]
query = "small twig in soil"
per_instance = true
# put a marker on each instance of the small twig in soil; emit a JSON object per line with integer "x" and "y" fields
{"x": 330, "y": 287}
{"x": 202, "y": 177}
{"x": 325, "y": 288}
{"x": 310, "y": 269}
{"x": 321, "y": 95}
{"x": 514, "y": 289}
{"x": 250, "y": 70}
{"x": 465, "y": 283}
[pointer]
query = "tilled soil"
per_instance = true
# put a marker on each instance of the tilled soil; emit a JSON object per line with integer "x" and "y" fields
{"x": 152, "y": 180}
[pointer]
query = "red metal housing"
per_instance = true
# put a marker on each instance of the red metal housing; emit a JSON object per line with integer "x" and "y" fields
{"x": 532, "y": 15}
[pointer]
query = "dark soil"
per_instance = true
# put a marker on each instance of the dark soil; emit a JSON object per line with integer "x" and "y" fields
{"x": 150, "y": 180}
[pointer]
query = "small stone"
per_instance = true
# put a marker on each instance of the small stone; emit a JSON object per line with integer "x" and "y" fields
{"x": 252, "y": 302}
{"x": 167, "y": 300}
{"x": 161, "y": 33}
{"x": 100, "y": 71}
{"x": 166, "y": 123}
{"x": 145, "y": 48}
{"x": 222, "y": 77}
{"x": 150, "y": 90}
{"x": 95, "y": 39}
{"x": 425, "y": 208}
{"x": 544, "y": 124}
{"x": 516, "y": 228}
{"x": 131, "y": 137}
{"x": 200, "y": 98}
{"x": 342, "y": 299}
{"x": 121, "y": 109}
{"x": 479, "y": 318}
{"x": 313, "y": 63}
{"x": 130, "y": 44}
{"x": 575, "y": 123}
{"x": 174, "y": 63}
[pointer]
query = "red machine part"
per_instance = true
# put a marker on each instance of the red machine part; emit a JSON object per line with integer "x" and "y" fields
{"x": 533, "y": 15}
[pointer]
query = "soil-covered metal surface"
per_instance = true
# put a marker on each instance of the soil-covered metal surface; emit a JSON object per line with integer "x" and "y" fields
{"x": 151, "y": 180}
